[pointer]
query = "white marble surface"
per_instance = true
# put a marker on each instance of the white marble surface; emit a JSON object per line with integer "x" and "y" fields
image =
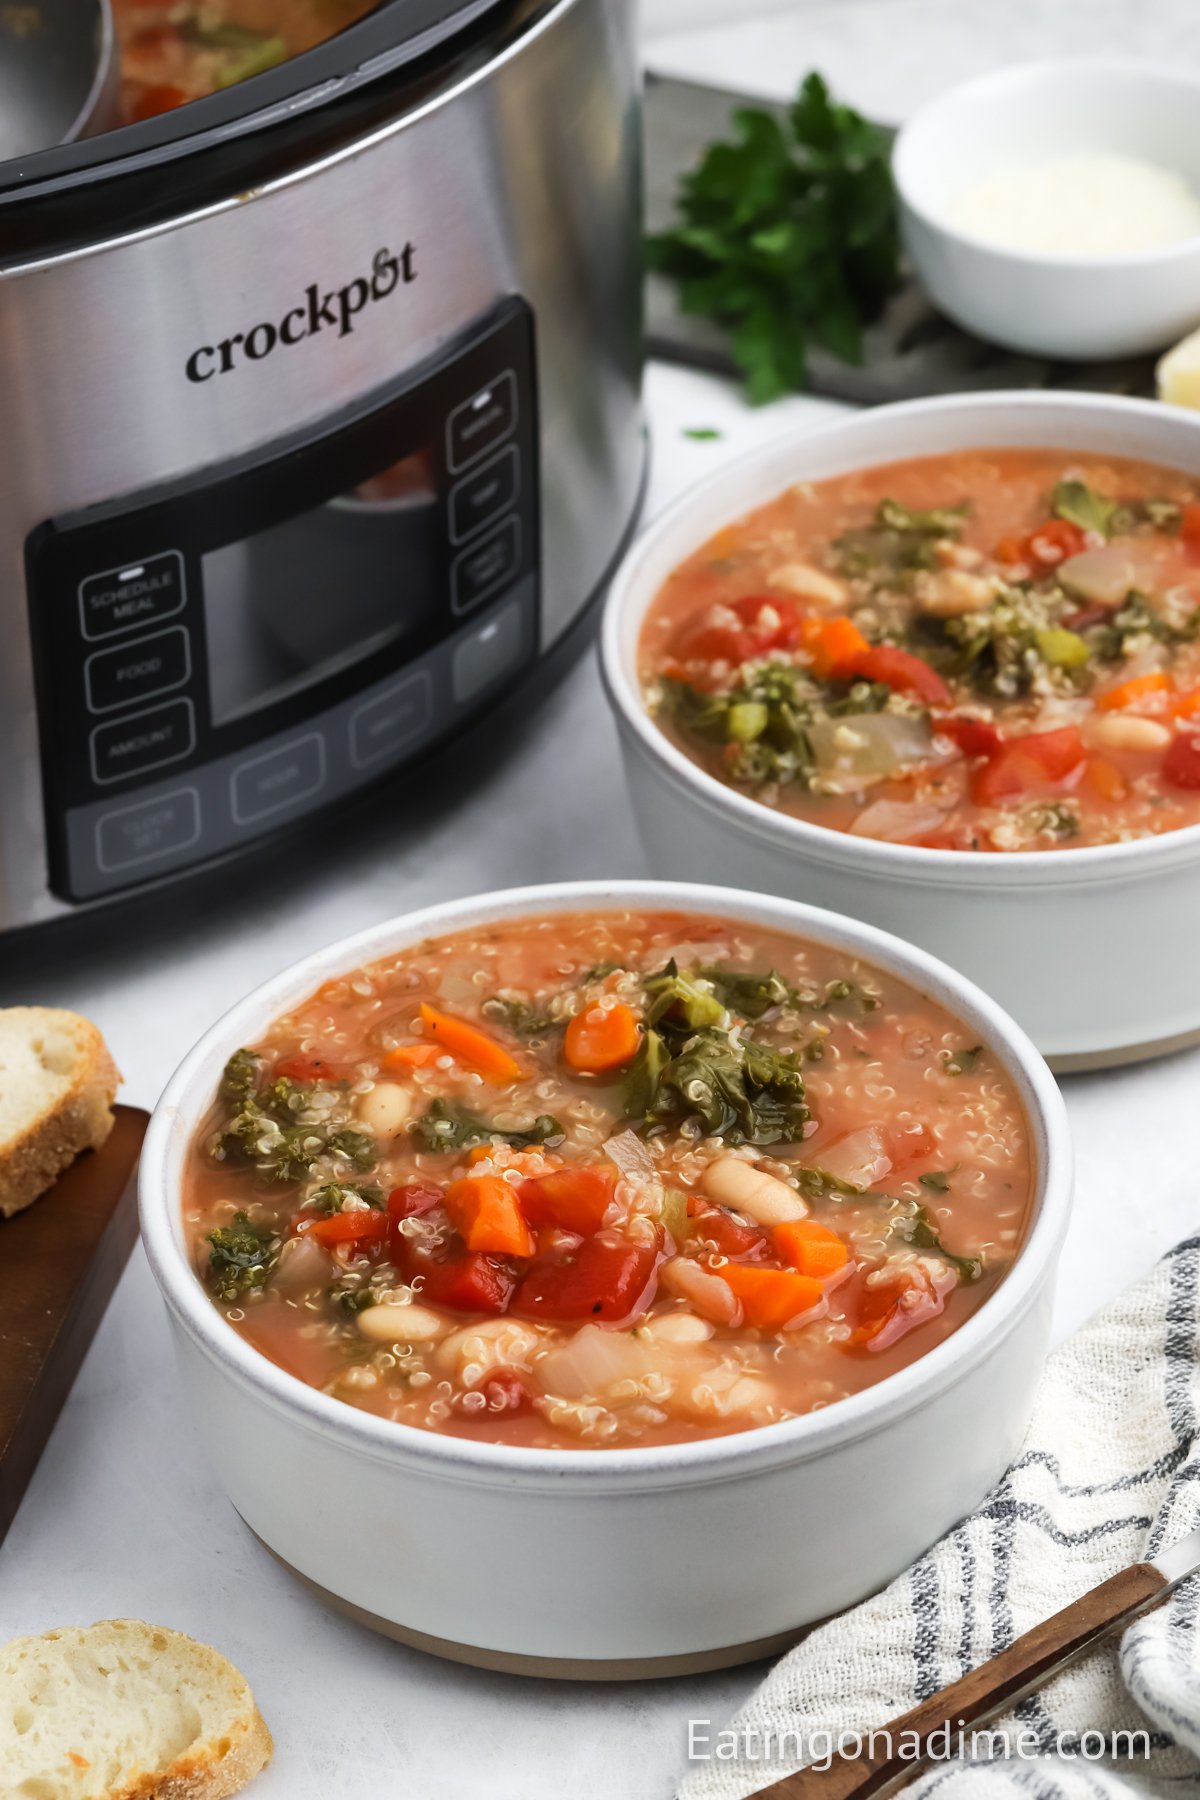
{"x": 123, "y": 1517}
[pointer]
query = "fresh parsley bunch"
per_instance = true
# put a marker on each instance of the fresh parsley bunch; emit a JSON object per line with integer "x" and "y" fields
{"x": 788, "y": 237}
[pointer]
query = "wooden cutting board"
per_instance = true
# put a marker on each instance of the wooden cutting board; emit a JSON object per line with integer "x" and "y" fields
{"x": 59, "y": 1263}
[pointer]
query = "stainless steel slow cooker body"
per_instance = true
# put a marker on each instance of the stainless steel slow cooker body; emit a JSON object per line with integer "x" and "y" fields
{"x": 199, "y": 324}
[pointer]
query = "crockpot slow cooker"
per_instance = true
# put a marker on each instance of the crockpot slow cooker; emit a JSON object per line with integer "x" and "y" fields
{"x": 321, "y": 429}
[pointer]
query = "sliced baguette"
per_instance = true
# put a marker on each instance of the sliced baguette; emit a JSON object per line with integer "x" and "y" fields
{"x": 57, "y": 1084}
{"x": 125, "y": 1711}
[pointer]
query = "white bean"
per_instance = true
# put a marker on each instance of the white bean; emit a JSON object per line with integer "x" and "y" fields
{"x": 731, "y": 1182}
{"x": 1125, "y": 731}
{"x": 386, "y": 1110}
{"x": 401, "y": 1324}
{"x": 492, "y": 1345}
{"x": 677, "y": 1328}
{"x": 807, "y": 583}
{"x": 952, "y": 592}
{"x": 712, "y": 1298}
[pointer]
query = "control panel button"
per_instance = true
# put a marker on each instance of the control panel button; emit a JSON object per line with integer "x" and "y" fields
{"x": 138, "y": 670}
{"x": 483, "y": 569}
{"x": 148, "y": 830}
{"x": 383, "y": 727}
{"x": 482, "y": 422}
{"x": 482, "y": 497}
{"x": 278, "y": 779}
{"x": 141, "y": 593}
{"x": 489, "y": 652}
{"x": 145, "y": 740}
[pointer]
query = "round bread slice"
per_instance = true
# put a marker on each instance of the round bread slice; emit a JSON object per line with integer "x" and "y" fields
{"x": 125, "y": 1711}
{"x": 57, "y": 1083}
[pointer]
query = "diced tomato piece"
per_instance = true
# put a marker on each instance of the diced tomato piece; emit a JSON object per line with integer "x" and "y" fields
{"x": 412, "y": 1056}
{"x": 362, "y": 1226}
{"x": 772, "y": 1299}
{"x": 1043, "y": 759}
{"x": 307, "y": 1069}
{"x": 974, "y": 737}
{"x": 714, "y": 639}
{"x": 1189, "y": 524}
{"x": 408, "y": 1203}
{"x": 607, "y": 1279}
{"x": 908, "y": 1144}
{"x": 891, "y": 1305}
{"x": 1010, "y": 551}
{"x": 1181, "y": 764}
{"x": 574, "y": 1199}
{"x": 411, "y": 1201}
{"x": 1053, "y": 542}
{"x": 464, "y": 1280}
{"x": 729, "y": 1236}
{"x": 504, "y": 1391}
{"x": 150, "y": 99}
{"x": 901, "y": 671}
{"x": 810, "y": 1247}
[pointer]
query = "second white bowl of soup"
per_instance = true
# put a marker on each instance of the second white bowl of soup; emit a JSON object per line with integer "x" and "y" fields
{"x": 939, "y": 666}
{"x": 601, "y": 1279}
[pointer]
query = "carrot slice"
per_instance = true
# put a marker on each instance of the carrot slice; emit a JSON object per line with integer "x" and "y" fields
{"x": 1137, "y": 691}
{"x": 771, "y": 1298}
{"x": 466, "y": 1043}
{"x": 811, "y": 1248}
{"x": 485, "y": 1209}
{"x": 412, "y": 1056}
{"x": 831, "y": 643}
{"x": 601, "y": 1038}
{"x": 1187, "y": 705}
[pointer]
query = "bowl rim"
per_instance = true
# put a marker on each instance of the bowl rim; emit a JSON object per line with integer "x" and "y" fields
{"x": 927, "y": 120}
{"x": 869, "y": 856}
{"x": 189, "y": 1094}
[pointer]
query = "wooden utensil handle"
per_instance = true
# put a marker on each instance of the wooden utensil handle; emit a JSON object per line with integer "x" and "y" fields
{"x": 991, "y": 1688}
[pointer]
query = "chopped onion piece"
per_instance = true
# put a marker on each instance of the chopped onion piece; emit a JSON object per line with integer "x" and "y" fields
{"x": 897, "y": 821}
{"x": 630, "y": 1155}
{"x": 1103, "y": 576}
{"x": 859, "y": 1159}
{"x": 870, "y": 746}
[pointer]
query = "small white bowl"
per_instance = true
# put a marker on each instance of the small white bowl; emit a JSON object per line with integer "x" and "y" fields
{"x": 1092, "y": 950}
{"x": 1071, "y": 307}
{"x": 610, "y": 1563}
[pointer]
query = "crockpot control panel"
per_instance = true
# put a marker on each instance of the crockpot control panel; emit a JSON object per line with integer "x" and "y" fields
{"x": 219, "y": 657}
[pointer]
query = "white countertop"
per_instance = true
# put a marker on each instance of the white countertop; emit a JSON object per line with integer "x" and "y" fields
{"x": 123, "y": 1517}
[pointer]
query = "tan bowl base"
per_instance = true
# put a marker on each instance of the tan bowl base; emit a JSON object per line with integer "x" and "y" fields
{"x": 1081, "y": 1062}
{"x": 553, "y": 1668}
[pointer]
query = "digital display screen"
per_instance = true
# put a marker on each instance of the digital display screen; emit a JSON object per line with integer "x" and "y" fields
{"x": 292, "y": 605}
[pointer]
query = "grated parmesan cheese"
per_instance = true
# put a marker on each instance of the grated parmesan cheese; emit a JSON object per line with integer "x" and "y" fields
{"x": 1090, "y": 204}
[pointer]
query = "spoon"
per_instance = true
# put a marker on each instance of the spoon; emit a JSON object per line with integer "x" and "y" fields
{"x": 58, "y": 73}
{"x": 998, "y": 1684}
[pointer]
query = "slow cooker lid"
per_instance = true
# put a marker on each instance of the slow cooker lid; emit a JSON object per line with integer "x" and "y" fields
{"x": 397, "y": 35}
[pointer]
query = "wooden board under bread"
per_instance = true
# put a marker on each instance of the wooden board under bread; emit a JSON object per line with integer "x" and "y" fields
{"x": 60, "y": 1262}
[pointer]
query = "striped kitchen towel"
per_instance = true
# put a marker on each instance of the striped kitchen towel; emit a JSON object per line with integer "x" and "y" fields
{"x": 1109, "y": 1474}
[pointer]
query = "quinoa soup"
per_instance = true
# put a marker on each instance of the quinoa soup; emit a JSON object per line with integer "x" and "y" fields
{"x": 598, "y": 1180}
{"x": 991, "y": 649}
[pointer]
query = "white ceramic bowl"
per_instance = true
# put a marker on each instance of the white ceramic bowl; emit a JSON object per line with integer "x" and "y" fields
{"x": 1092, "y": 950}
{"x": 1054, "y": 306}
{"x": 610, "y": 1562}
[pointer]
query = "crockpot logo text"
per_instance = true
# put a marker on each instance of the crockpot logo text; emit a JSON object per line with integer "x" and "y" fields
{"x": 336, "y": 308}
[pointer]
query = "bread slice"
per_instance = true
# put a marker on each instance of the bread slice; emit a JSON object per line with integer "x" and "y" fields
{"x": 57, "y": 1084}
{"x": 125, "y": 1711}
